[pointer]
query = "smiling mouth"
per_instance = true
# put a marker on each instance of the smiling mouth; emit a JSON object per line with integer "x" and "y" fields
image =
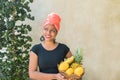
{"x": 48, "y": 36}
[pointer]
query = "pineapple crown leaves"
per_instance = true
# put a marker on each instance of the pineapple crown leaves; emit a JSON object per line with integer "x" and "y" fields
{"x": 79, "y": 55}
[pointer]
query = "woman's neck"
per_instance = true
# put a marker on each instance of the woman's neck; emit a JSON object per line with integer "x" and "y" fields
{"x": 49, "y": 45}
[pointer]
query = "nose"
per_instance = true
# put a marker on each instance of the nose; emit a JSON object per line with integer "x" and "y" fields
{"x": 48, "y": 32}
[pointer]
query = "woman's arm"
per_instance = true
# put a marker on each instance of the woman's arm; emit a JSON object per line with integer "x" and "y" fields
{"x": 69, "y": 54}
{"x": 36, "y": 75}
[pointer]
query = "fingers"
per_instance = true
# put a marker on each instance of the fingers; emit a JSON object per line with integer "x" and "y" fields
{"x": 60, "y": 77}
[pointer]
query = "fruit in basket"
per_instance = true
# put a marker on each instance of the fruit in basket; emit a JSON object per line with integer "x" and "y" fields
{"x": 79, "y": 71}
{"x": 63, "y": 66}
{"x": 69, "y": 71}
{"x": 69, "y": 60}
{"x": 71, "y": 68}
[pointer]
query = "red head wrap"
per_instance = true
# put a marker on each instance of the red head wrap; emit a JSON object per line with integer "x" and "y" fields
{"x": 53, "y": 19}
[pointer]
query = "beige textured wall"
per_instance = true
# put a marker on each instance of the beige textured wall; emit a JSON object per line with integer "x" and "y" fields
{"x": 93, "y": 25}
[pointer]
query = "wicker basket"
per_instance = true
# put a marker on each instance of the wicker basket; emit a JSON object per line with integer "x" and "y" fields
{"x": 72, "y": 77}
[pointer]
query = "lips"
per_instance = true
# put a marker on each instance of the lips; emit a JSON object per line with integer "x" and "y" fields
{"x": 47, "y": 36}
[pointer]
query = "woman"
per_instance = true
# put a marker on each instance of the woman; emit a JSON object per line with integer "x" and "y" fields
{"x": 48, "y": 54}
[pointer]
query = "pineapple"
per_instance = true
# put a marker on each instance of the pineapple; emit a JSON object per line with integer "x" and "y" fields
{"x": 75, "y": 65}
{"x": 63, "y": 66}
{"x": 71, "y": 67}
{"x": 69, "y": 60}
{"x": 79, "y": 71}
{"x": 69, "y": 71}
{"x": 78, "y": 56}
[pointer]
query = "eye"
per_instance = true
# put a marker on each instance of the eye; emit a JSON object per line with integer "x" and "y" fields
{"x": 46, "y": 29}
{"x": 53, "y": 31}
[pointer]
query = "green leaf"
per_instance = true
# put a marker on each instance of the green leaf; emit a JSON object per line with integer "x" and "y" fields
{"x": 29, "y": 28}
{"x": 14, "y": 38}
{"x": 30, "y": 17}
{"x": 31, "y": 1}
{"x": 79, "y": 55}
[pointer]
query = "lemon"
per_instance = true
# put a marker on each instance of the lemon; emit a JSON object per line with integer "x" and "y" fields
{"x": 79, "y": 71}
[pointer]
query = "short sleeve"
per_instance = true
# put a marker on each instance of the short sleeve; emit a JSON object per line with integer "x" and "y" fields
{"x": 67, "y": 49}
{"x": 35, "y": 49}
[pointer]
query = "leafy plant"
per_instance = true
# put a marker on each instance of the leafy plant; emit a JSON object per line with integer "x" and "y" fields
{"x": 14, "y": 39}
{"x": 79, "y": 55}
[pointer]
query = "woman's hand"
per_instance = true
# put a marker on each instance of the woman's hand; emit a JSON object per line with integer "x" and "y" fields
{"x": 74, "y": 77}
{"x": 60, "y": 77}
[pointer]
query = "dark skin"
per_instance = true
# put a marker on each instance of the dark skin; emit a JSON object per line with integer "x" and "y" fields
{"x": 49, "y": 33}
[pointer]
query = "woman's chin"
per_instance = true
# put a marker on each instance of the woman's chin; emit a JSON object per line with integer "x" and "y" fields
{"x": 48, "y": 39}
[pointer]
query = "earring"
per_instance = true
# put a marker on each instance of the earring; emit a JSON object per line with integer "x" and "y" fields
{"x": 42, "y": 38}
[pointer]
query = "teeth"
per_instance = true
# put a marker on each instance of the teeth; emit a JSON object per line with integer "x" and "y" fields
{"x": 48, "y": 36}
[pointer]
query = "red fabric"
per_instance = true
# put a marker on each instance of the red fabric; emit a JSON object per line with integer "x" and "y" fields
{"x": 53, "y": 19}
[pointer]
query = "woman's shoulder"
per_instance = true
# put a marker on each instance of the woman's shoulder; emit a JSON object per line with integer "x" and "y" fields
{"x": 63, "y": 44}
{"x": 35, "y": 48}
{"x": 64, "y": 47}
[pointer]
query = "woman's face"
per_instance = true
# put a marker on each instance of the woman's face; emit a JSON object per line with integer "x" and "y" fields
{"x": 49, "y": 32}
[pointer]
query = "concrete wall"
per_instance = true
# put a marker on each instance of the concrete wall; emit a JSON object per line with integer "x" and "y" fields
{"x": 93, "y": 25}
